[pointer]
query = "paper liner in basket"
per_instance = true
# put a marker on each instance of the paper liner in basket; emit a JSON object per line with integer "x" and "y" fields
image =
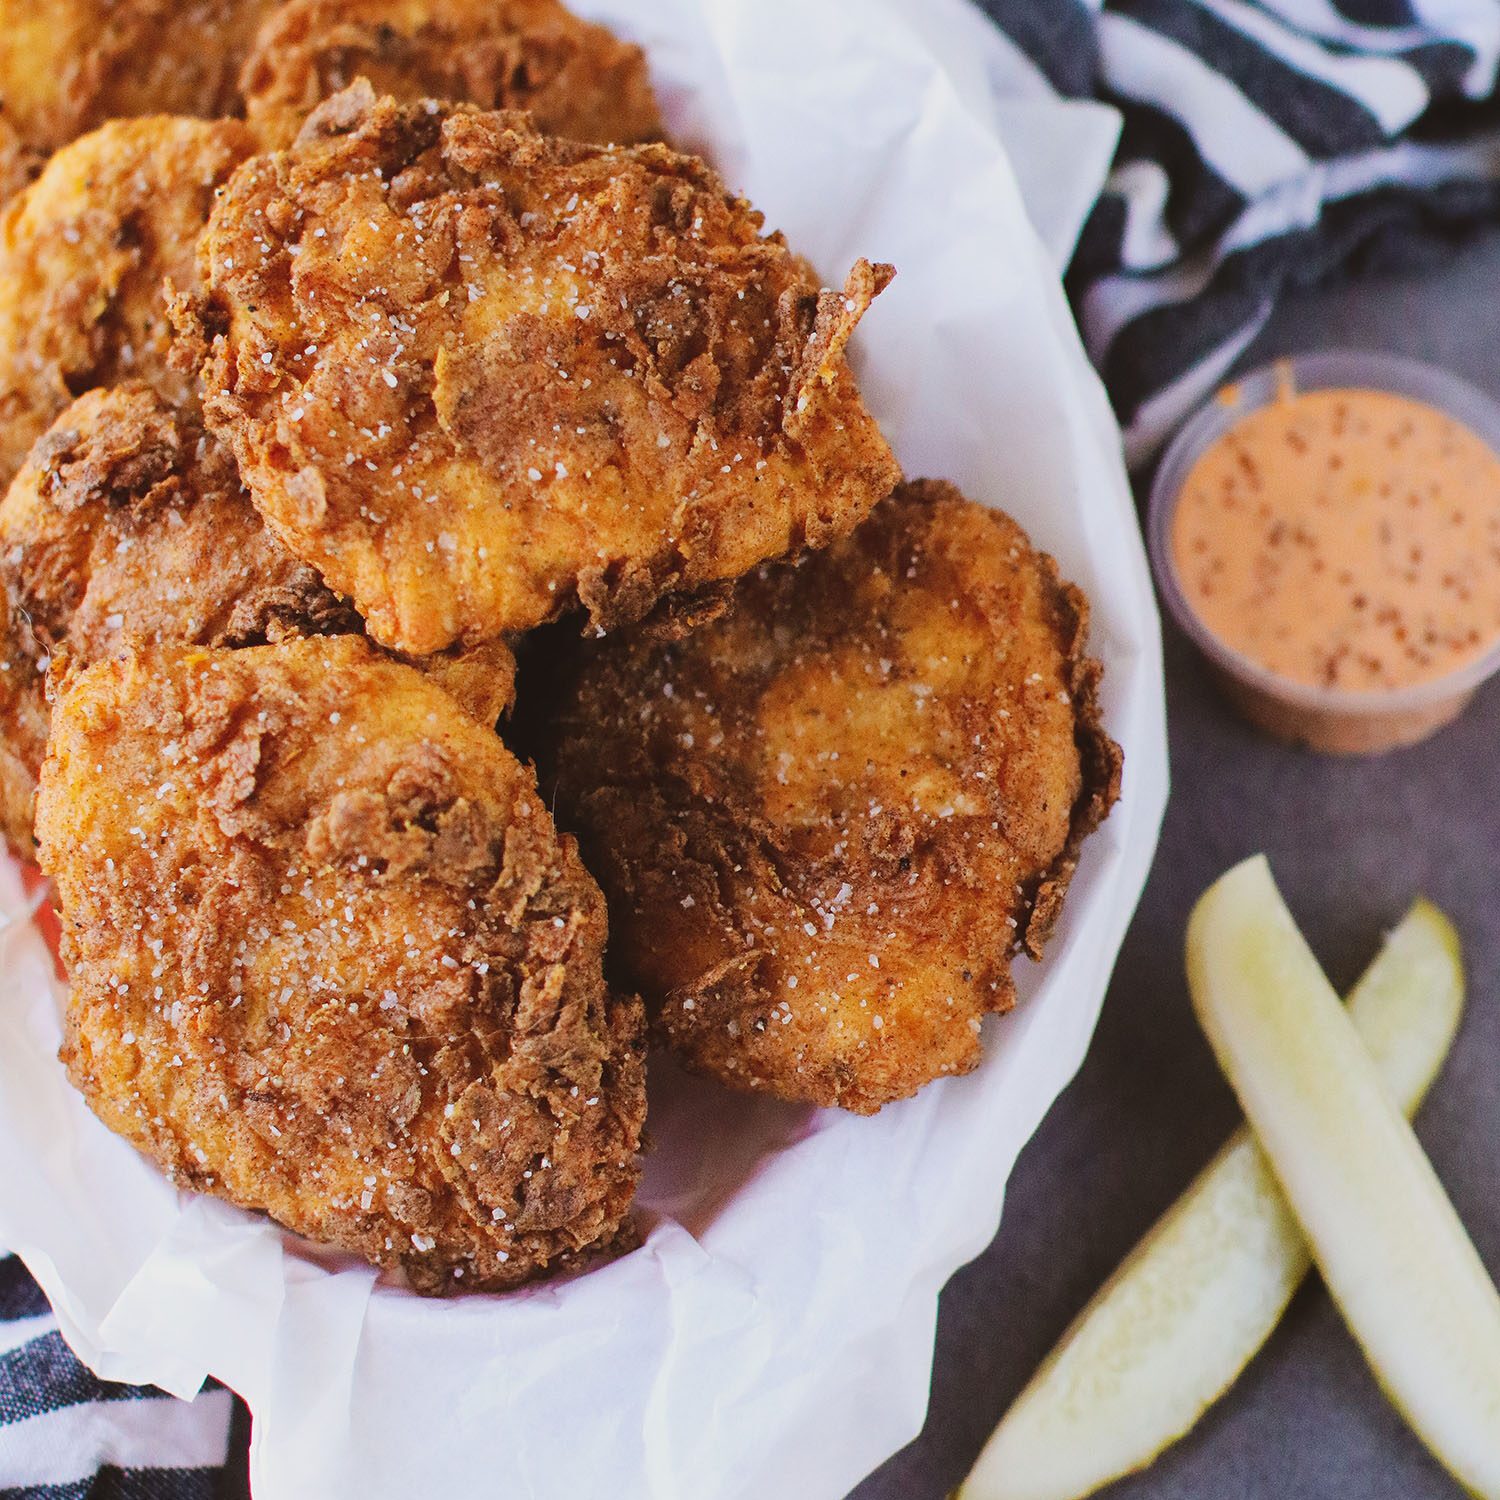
{"x": 773, "y": 1336}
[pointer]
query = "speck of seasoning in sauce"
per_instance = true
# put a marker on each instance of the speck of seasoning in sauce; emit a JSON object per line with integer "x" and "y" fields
{"x": 1345, "y": 539}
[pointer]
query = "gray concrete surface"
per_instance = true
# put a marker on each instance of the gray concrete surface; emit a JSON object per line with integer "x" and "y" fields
{"x": 1351, "y": 842}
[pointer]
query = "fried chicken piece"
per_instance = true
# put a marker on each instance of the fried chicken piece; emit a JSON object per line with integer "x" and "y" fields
{"x": 827, "y": 821}
{"x": 476, "y": 375}
{"x": 84, "y": 252}
{"x": 126, "y": 526}
{"x": 575, "y": 78}
{"x": 67, "y": 66}
{"x": 330, "y": 959}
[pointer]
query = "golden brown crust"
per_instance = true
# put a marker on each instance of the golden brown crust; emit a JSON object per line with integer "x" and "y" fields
{"x": 67, "y": 66}
{"x": 127, "y": 525}
{"x": 480, "y": 679}
{"x": 23, "y": 724}
{"x": 330, "y": 959}
{"x": 1100, "y": 760}
{"x": 128, "y": 522}
{"x": 574, "y": 78}
{"x": 84, "y": 253}
{"x": 827, "y": 820}
{"x": 477, "y": 376}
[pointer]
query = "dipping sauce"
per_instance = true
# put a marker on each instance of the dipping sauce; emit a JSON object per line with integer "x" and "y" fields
{"x": 1348, "y": 540}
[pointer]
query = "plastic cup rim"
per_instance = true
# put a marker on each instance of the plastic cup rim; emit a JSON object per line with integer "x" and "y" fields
{"x": 1327, "y": 369}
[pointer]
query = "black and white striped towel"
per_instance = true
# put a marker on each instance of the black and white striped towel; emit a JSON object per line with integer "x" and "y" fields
{"x": 1267, "y": 144}
{"x": 66, "y": 1435}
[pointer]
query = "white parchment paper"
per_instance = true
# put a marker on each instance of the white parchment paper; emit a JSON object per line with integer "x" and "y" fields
{"x": 773, "y": 1336}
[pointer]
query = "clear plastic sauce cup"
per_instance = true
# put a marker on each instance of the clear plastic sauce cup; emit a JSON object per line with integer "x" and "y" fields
{"x": 1333, "y": 719}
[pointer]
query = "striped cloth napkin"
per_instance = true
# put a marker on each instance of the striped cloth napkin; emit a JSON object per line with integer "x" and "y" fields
{"x": 67, "y": 1435}
{"x": 1267, "y": 144}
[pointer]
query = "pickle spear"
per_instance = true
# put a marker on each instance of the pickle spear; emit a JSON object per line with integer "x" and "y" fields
{"x": 1189, "y": 1308}
{"x": 1390, "y": 1246}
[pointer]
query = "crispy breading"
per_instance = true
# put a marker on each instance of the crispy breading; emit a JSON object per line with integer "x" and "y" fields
{"x": 84, "y": 252}
{"x": 128, "y": 522}
{"x": 67, "y": 66}
{"x": 482, "y": 678}
{"x": 23, "y": 726}
{"x": 575, "y": 78}
{"x": 477, "y": 376}
{"x": 330, "y": 959}
{"x": 127, "y": 525}
{"x": 827, "y": 821}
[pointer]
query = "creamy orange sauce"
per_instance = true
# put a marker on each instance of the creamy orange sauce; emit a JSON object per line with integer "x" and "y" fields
{"x": 1348, "y": 539}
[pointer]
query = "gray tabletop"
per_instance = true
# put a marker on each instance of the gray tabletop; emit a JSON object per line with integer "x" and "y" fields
{"x": 1350, "y": 842}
